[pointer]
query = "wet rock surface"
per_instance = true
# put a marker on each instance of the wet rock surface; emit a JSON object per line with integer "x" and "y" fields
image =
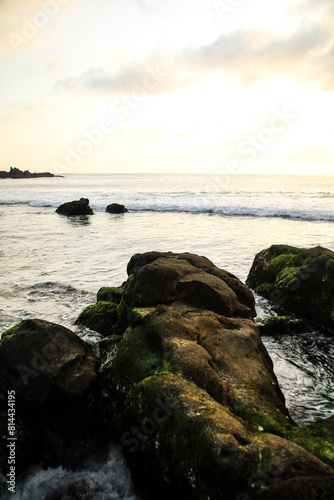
{"x": 300, "y": 280}
{"x": 183, "y": 382}
{"x": 190, "y": 390}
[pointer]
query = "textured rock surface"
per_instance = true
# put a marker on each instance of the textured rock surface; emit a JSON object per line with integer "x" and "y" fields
{"x": 77, "y": 207}
{"x": 301, "y": 280}
{"x": 38, "y": 357}
{"x": 100, "y": 317}
{"x": 189, "y": 388}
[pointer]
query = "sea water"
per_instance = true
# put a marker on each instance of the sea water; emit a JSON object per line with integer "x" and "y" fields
{"x": 52, "y": 265}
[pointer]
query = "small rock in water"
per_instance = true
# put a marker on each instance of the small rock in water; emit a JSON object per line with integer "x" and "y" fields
{"x": 115, "y": 208}
{"x": 78, "y": 207}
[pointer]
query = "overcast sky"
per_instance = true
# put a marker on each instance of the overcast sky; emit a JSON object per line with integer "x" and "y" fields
{"x": 238, "y": 86}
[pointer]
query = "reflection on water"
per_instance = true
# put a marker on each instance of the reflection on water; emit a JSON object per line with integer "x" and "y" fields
{"x": 78, "y": 220}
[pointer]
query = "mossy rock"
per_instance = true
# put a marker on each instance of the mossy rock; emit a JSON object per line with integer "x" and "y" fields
{"x": 11, "y": 331}
{"x": 110, "y": 294}
{"x": 289, "y": 324}
{"x": 101, "y": 317}
{"x": 300, "y": 280}
{"x": 192, "y": 396}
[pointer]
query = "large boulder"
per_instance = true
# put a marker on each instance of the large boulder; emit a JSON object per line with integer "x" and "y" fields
{"x": 77, "y": 207}
{"x": 50, "y": 374}
{"x": 115, "y": 208}
{"x": 38, "y": 357}
{"x": 301, "y": 280}
{"x": 189, "y": 388}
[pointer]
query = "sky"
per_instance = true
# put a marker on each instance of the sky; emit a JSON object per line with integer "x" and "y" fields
{"x": 188, "y": 86}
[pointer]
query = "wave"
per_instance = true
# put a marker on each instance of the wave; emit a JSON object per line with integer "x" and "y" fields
{"x": 199, "y": 206}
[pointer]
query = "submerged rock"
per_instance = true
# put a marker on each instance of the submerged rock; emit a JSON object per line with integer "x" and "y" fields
{"x": 300, "y": 280}
{"x": 189, "y": 388}
{"x": 115, "y": 208}
{"x": 78, "y": 207}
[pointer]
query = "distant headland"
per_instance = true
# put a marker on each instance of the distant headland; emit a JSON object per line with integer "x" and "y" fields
{"x": 16, "y": 173}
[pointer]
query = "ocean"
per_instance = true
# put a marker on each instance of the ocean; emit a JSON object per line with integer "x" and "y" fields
{"x": 52, "y": 266}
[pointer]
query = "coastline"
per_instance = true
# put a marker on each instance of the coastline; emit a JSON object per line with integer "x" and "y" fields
{"x": 15, "y": 173}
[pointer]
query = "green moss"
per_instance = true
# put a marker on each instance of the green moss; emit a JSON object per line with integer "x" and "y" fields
{"x": 137, "y": 315}
{"x": 265, "y": 288}
{"x": 138, "y": 356}
{"x": 110, "y": 294}
{"x": 286, "y": 275}
{"x": 316, "y": 438}
{"x": 275, "y": 424}
{"x": 185, "y": 436}
{"x": 283, "y": 260}
{"x": 101, "y": 317}
{"x": 8, "y": 333}
{"x": 125, "y": 306}
{"x": 280, "y": 319}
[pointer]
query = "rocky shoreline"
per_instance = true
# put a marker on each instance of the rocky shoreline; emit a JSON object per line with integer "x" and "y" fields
{"x": 182, "y": 381}
{"x": 16, "y": 173}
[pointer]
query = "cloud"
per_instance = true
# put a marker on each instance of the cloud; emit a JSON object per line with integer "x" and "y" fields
{"x": 245, "y": 57}
{"x": 257, "y": 54}
{"x": 158, "y": 73}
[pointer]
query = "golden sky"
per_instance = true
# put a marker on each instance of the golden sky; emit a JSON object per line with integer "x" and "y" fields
{"x": 237, "y": 86}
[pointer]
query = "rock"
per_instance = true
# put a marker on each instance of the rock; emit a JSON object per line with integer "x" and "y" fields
{"x": 110, "y": 294}
{"x": 198, "y": 276}
{"x": 190, "y": 391}
{"x": 115, "y": 208}
{"x": 273, "y": 325}
{"x": 100, "y": 317}
{"x": 16, "y": 173}
{"x": 52, "y": 373}
{"x": 300, "y": 280}
{"x": 38, "y": 358}
{"x": 79, "y": 207}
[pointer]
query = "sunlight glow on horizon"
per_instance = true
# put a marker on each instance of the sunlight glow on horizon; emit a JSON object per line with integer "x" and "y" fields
{"x": 167, "y": 87}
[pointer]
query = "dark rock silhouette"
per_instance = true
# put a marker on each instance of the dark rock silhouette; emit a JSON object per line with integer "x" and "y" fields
{"x": 78, "y": 207}
{"x": 115, "y": 208}
{"x": 15, "y": 173}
